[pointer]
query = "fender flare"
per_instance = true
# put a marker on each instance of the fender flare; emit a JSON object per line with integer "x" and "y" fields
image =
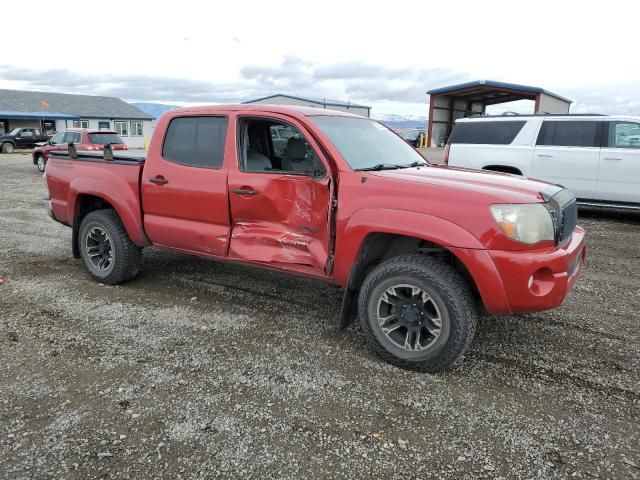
{"x": 397, "y": 222}
{"x": 418, "y": 225}
{"x": 119, "y": 195}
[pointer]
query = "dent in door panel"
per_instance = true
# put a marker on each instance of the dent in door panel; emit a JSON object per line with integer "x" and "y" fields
{"x": 295, "y": 231}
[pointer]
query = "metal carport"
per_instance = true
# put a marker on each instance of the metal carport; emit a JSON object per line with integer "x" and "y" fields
{"x": 447, "y": 104}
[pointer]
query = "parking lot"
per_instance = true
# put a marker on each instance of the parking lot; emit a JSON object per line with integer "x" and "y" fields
{"x": 201, "y": 370}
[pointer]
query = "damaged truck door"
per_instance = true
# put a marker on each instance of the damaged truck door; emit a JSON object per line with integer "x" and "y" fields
{"x": 279, "y": 198}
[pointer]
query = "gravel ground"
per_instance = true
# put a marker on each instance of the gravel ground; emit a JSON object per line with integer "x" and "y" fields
{"x": 204, "y": 370}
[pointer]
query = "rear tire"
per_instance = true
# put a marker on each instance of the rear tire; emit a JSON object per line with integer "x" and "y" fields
{"x": 417, "y": 312}
{"x": 108, "y": 252}
{"x": 40, "y": 163}
{"x": 8, "y": 147}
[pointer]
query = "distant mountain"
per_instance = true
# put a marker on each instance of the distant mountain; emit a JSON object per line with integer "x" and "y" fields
{"x": 401, "y": 121}
{"x": 154, "y": 109}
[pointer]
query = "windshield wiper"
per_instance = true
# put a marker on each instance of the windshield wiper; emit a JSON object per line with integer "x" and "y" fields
{"x": 417, "y": 163}
{"x": 379, "y": 166}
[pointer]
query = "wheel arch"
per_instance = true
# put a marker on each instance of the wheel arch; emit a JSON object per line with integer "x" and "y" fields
{"x": 87, "y": 195}
{"x": 374, "y": 236}
{"x": 36, "y": 154}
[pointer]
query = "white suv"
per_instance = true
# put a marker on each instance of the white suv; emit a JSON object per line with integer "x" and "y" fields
{"x": 598, "y": 157}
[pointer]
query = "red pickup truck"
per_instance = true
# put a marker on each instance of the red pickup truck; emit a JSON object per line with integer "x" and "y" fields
{"x": 418, "y": 248}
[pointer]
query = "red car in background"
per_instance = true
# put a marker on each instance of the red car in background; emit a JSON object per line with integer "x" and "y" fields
{"x": 82, "y": 138}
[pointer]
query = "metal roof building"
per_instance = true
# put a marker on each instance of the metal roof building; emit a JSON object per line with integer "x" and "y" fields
{"x": 447, "y": 104}
{"x": 283, "y": 99}
{"x": 51, "y": 111}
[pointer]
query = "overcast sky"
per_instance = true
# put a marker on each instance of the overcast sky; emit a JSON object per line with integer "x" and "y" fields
{"x": 384, "y": 54}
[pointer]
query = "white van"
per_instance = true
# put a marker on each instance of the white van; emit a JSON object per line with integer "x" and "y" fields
{"x": 596, "y": 156}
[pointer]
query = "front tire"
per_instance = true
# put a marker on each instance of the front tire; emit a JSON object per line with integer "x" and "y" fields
{"x": 417, "y": 312}
{"x": 108, "y": 252}
{"x": 40, "y": 163}
{"x": 8, "y": 147}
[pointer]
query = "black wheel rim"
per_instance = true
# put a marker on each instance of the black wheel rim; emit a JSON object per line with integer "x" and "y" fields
{"x": 99, "y": 249}
{"x": 409, "y": 317}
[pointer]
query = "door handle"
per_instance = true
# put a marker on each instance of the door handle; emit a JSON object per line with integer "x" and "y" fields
{"x": 244, "y": 191}
{"x": 613, "y": 158}
{"x": 545, "y": 155}
{"x": 159, "y": 180}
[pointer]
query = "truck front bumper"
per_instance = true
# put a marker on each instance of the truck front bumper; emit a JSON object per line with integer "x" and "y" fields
{"x": 526, "y": 281}
{"x": 539, "y": 281}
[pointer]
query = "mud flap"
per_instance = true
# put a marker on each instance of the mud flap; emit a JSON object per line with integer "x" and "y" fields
{"x": 75, "y": 231}
{"x": 349, "y": 310}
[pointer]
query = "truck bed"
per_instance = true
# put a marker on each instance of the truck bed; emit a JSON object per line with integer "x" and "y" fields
{"x": 116, "y": 182}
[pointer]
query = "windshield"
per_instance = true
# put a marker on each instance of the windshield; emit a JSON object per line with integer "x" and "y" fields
{"x": 365, "y": 144}
{"x": 15, "y": 131}
{"x": 104, "y": 138}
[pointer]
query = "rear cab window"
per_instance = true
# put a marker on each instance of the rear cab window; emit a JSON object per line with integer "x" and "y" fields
{"x": 486, "y": 133}
{"x": 196, "y": 141}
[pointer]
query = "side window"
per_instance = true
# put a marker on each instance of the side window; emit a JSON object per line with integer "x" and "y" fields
{"x": 121, "y": 128}
{"x": 623, "y": 135}
{"x": 136, "y": 128}
{"x": 547, "y": 133}
{"x": 57, "y": 138}
{"x": 72, "y": 137}
{"x": 273, "y": 146}
{"x": 196, "y": 141}
{"x": 570, "y": 133}
{"x": 27, "y": 133}
{"x": 280, "y": 134}
{"x": 482, "y": 132}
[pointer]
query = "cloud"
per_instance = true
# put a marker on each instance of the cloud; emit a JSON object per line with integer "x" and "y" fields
{"x": 622, "y": 99}
{"x": 355, "y": 81}
{"x": 135, "y": 87}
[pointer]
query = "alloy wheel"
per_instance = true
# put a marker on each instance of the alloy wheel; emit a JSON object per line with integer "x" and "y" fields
{"x": 99, "y": 249}
{"x": 409, "y": 317}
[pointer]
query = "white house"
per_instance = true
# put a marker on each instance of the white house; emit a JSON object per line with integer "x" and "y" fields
{"x": 57, "y": 111}
{"x": 282, "y": 99}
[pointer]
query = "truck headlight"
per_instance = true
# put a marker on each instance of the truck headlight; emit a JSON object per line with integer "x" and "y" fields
{"x": 527, "y": 223}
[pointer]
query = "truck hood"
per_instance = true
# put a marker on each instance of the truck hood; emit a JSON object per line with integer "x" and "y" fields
{"x": 503, "y": 187}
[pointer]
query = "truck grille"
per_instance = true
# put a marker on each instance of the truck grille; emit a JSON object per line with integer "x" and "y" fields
{"x": 569, "y": 220}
